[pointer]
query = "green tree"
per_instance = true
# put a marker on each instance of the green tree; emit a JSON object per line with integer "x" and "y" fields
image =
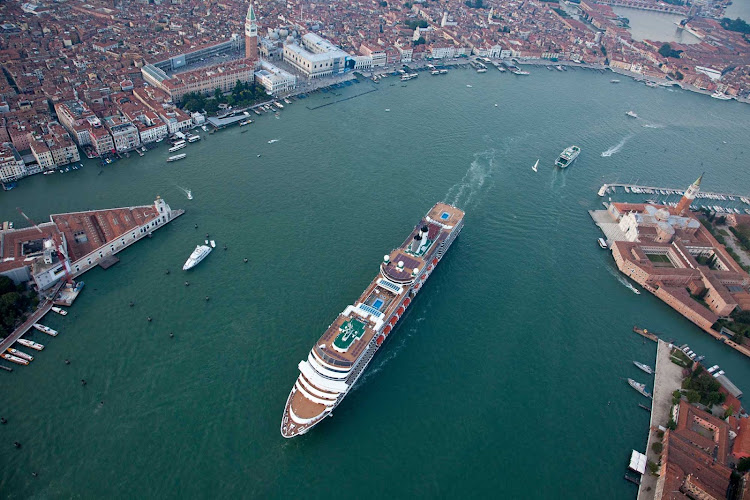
{"x": 666, "y": 50}
{"x": 657, "y": 447}
{"x": 735, "y": 25}
{"x": 6, "y": 285}
{"x": 419, "y": 41}
{"x": 744, "y": 464}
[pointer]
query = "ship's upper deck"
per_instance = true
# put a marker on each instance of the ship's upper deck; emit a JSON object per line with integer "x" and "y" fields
{"x": 347, "y": 337}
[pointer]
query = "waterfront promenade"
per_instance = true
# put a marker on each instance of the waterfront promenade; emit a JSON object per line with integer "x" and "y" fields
{"x": 667, "y": 379}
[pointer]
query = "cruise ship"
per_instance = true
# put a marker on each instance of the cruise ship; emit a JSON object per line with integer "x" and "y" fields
{"x": 344, "y": 350}
{"x": 568, "y": 156}
{"x": 200, "y": 253}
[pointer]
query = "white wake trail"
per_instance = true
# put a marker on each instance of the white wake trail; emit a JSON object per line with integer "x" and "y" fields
{"x": 616, "y": 148}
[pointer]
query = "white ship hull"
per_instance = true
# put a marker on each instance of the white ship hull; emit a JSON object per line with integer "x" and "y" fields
{"x": 368, "y": 354}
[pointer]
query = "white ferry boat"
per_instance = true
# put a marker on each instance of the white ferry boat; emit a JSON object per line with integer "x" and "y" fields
{"x": 278, "y": 104}
{"x": 245, "y": 122}
{"x": 409, "y": 76}
{"x": 443, "y": 71}
{"x": 568, "y": 156}
{"x": 631, "y": 114}
{"x": 482, "y": 70}
{"x": 21, "y": 354}
{"x": 177, "y": 146}
{"x": 434, "y": 72}
{"x": 177, "y": 157}
{"x": 45, "y": 329}
{"x": 60, "y": 311}
{"x": 721, "y": 96}
{"x": 31, "y": 344}
{"x": 14, "y": 359}
{"x": 643, "y": 367}
{"x": 639, "y": 387}
{"x": 194, "y": 138}
{"x": 200, "y": 253}
{"x": 602, "y": 243}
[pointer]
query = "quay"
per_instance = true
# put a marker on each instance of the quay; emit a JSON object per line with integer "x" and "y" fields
{"x": 676, "y": 191}
{"x": 667, "y": 379}
{"x": 646, "y": 333}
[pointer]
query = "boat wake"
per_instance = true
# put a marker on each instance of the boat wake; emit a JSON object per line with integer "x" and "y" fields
{"x": 616, "y": 148}
{"x": 187, "y": 192}
{"x": 623, "y": 281}
{"x": 480, "y": 170}
{"x": 653, "y": 125}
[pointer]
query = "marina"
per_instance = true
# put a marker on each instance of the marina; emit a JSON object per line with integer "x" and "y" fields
{"x": 611, "y": 188}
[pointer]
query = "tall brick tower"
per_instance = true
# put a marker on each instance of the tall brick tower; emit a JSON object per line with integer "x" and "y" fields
{"x": 683, "y": 206}
{"x": 251, "y": 35}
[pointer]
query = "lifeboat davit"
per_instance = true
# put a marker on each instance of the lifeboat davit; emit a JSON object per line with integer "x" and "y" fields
{"x": 380, "y": 339}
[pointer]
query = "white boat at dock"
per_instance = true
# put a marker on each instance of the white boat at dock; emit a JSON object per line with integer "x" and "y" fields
{"x": 45, "y": 329}
{"x": 245, "y": 122}
{"x": 278, "y": 104}
{"x": 287, "y": 101}
{"x": 602, "y": 243}
{"x": 720, "y": 96}
{"x": 213, "y": 244}
{"x": 15, "y": 359}
{"x": 21, "y": 354}
{"x": 178, "y": 146}
{"x": 643, "y": 367}
{"x": 29, "y": 343}
{"x": 639, "y": 387}
{"x": 60, "y": 311}
{"x": 194, "y": 138}
{"x": 176, "y": 157}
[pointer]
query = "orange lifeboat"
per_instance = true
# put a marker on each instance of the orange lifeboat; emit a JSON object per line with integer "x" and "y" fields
{"x": 380, "y": 339}
{"x": 400, "y": 311}
{"x": 434, "y": 262}
{"x": 393, "y": 320}
{"x": 407, "y": 302}
{"x": 387, "y": 330}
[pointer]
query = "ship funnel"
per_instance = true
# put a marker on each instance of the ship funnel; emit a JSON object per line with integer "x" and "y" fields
{"x": 386, "y": 259}
{"x": 416, "y": 242}
{"x": 401, "y": 265}
{"x": 424, "y": 230}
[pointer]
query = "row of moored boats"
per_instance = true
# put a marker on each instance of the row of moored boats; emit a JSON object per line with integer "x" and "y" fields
{"x": 21, "y": 358}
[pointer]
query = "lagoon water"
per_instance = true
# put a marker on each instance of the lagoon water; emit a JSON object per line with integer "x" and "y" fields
{"x": 508, "y": 373}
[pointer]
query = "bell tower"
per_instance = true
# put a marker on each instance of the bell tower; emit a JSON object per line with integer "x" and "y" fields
{"x": 251, "y": 35}
{"x": 683, "y": 206}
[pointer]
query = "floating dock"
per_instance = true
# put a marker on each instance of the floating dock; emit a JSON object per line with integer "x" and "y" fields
{"x": 646, "y": 333}
{"x": 108, "y": 261}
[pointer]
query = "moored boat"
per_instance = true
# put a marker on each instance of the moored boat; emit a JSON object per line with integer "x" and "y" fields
{"x": 28, "y": 343}
{"x": 60, "y": 311}
{"x": 14, "y": 359}
{"x": 602, "y": 242}
{"x": 176, "y": 157}
{"x": 639, "y": 387}
{"x": 45, "y": 329}
{"x": 21, "y": 354}
{"x": 644, "y": 367}
{"x": 340, "y": 356}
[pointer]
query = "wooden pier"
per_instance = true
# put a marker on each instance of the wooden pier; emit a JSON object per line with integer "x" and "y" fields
{"x": 646, "y": 333}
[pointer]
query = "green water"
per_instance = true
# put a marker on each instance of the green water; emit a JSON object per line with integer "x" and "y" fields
{"x": 507, "y": 375}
